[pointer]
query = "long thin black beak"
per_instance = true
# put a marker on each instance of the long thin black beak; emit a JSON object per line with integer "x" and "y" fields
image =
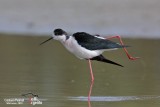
{"x": 46, "y": 41}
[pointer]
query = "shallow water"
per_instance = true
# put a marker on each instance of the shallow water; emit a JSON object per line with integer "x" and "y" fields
{"x": 62, "y": 80}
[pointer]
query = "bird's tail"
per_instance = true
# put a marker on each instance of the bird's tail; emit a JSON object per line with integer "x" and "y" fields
{"x": 103, "y": 59}
{"x": 123, "y": 46}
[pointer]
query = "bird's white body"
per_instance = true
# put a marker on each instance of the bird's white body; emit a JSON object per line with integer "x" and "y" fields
{"x": 72, "y": 46}
{"x": 79, "y": 51}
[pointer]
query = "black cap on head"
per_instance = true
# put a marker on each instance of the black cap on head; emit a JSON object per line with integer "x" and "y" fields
{"x": 59, "y": 32}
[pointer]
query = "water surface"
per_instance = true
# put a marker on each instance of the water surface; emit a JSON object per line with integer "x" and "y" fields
{"x": 64, "y": 81}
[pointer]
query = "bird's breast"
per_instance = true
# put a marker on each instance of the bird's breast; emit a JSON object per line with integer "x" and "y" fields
{"x": 72, "y": 45}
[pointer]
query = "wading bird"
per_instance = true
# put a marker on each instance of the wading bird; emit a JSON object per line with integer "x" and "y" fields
{"x": 89, "y": 47}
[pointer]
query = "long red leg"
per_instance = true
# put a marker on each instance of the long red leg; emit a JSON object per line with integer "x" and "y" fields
{"x": 128, "y": 55}
{"x": 91, "y": 72}
{"x": 92, "y": 82}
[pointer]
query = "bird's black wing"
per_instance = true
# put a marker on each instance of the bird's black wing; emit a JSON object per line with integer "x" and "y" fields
{"x": 93, "y": 42}
{"x": 103, "y": 59}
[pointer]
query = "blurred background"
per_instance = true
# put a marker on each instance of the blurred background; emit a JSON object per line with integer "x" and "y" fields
{"x": 125, "y": 17}
{"x": 62, "y": 79}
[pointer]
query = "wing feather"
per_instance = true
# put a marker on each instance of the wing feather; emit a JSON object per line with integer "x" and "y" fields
{"x": 94, "y": 42}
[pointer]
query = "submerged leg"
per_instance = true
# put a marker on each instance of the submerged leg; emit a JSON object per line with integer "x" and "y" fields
{"x": 89, "y": 94}
{"x": 121, "y": 42}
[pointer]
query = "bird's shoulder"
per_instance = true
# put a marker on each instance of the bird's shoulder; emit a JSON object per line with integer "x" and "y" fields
{"x": 84, "y": 37}
{"x": 81, "y": 34}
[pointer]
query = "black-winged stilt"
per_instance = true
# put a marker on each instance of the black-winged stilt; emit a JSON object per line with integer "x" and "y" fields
{"x": 89, "y": 47}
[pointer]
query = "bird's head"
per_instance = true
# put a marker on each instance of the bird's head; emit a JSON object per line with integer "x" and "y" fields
{"x": 58, "y": 34}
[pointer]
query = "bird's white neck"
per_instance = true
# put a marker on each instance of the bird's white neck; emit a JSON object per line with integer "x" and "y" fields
{"x": 61, "y": 38}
